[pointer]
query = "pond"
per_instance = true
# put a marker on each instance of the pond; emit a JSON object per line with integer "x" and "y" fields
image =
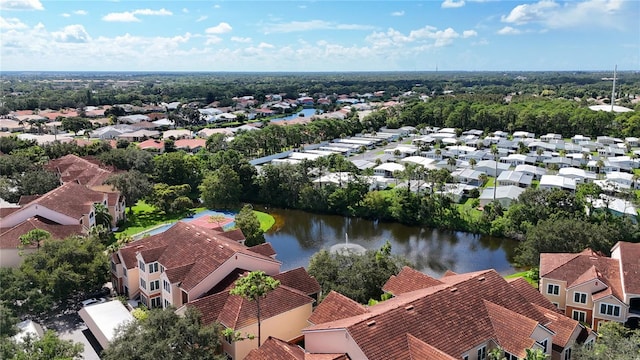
{"x": 306, "y": 113}
{"x": 297, "y": 235}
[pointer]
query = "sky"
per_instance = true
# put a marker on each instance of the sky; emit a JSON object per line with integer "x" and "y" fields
{"x": 299, "y": 36}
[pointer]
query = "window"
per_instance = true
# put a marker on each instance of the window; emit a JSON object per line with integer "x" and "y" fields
{"x": 143, "y": 299}
{"x": 508, "y": 356}
{"x": 167, "y": 286}
{"x": 154, "y": 285}
{"x": 143, "y": 284}
{"x": 567, "y": 354}
{"x": 156, "y": 302}
{"x": 141, "y": 265}
{"x": 166, "y": 303}
{"x": 161, "y": 268}
{"x": 553, "y": 289}
{"x": 544, "y": 343}
{"x": 579, "y": 315}
{"x": 153, "y": 267}
{"x": 580, "y": 298}
{"x": 113, "y": 266}
{"x": 608, "y": 309}
{"x": 556, "y": 304}
{"x": 466, "y": 357}
{"x": 482, "y": 353}
{"x": 124, "y": 271}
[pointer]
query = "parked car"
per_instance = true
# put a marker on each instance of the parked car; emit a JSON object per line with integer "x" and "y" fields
{"x": 93, "y": 301}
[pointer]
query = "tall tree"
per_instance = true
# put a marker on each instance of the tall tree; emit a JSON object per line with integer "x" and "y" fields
{"x": 133, "y": 185}
{"x": 615, "y": 342}
{"x": 221, "y": 188}
{"x": 166, "y": 335}
{"x": 102, "y": 216}
{"x": 253, "y": 287}
{"x": 46, "y": 348}
{"x": 34, "y": 237}
{"x": 247, "y": 221}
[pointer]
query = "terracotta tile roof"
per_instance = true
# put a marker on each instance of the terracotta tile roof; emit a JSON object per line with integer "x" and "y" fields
{"x": 190, "y": 143}
{"x": 299, "y": 279}
{"x": 151, "y": 144}
{"x": 334, "y": 307}
{"x": 71, "y": 199}
{"x": 265, "y": 249}
{"x": 452, "y": 317}
{"x": 189, "y": 252}
{"x": 408, "y": 280}
{"x": 563, "y": 326}
{"x": 8, "y": 210}
{"x": 584, "y": 266}
{"x": 449, "y": 273}
{"x": 10, "y": 237}
{"x": 630, "y": 262}
{"x": 236, "y": 312}
{"x": 420, "y": 350}
{"x": 550, "y": 262}
{"x": 531, "y": 294}
{"x": 274, "y": 348}
{"x": 25, "y": 199}
{"x": 81, "y": 170}
{"x": 512, "y": 330}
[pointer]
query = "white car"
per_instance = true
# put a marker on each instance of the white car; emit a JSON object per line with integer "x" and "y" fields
{"x": 93, "y": 301}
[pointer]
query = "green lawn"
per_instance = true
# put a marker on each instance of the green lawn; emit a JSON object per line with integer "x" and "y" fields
{"x": 146, "y": 216}
{"x": 523, "y": 274}
{"x": 490, "y": 182}
{"x": 467, "y": 210}
{"x": 266, "y": 220}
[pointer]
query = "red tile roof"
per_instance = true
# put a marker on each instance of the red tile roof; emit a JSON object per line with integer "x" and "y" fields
{"x": 71, "y": 199}
{"x": 264, "y": 249}
{"x": 408, "y": 279}
{"x": 236, "y": 312}
{"x": 151, "y": 144}
{"x": 335, "y": 307}
{"x": 73, "y": 168}
{"x": 576, "y": 269}
{"x": 10, "y": 237}
{"x": 190, "y": 143}
{"x": 530, "y": 293}
{"x": 420, "y": 350}
{"x": 299, "y": 279}
{"x": 452, "y": 317}
{"x": 563, "y": 326}
{"x": 188, "y": 252}
{"x": 274, "y": 348}
{"x": 630, "y": 262}
{"x": 512, "y": 330}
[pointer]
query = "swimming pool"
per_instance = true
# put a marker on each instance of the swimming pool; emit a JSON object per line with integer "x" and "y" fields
{"x": 199, "y": 219}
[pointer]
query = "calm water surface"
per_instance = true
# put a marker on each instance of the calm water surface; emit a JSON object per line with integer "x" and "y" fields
{"x": 297, "y": 235}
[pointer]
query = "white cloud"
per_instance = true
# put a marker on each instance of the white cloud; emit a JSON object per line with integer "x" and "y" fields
{"x": 216, "y": 6}
{"x": 120, "y": 17}
{"x": 508, "y": 30}
{"x": 212, "y": 39}
{"x": 65, "y": 15}
{"x": 241, "y": 39}
{"x": 80, "y": 12}
{"x": 21, "y": 5}
{"x": 397, "y": 13}
{"x": 425, "y": 37}
{"x": 221, "y": 28}
{"x": 161, "y": 12}
{"x": 526, "y": 13}
{"x": 130, "y": 16}
{"x": 185, "y": 10}
{"x": 452, "y": 4}
{"x": 297, "y": 26}
{"x": 469, "y": 33}
{"x": 72, "y": 34}
{"x": 11, "y": 24}
{"x": 202, "y": 18}
{"x": 264, "y": 45}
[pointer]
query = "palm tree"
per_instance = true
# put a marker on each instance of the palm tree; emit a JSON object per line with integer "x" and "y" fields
{"x": 473, "y": 163}
{"x": 102, "y": 215}
{"x": 451, "y": 162}
{"x": 536, "y": 354}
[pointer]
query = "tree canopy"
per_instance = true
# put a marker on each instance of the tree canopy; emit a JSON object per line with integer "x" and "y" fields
{"x": 247, "y": 221}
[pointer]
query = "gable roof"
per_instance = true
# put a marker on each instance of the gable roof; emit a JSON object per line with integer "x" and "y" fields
{"x": 236, "y": 312}
{"x": 334, "y": 307}
{"x": 10, "y": 237}
{"x": 188, "y": 252}
{"x": 274, "y": 348}
{"x": 420, "y": 350}
{"x": 73, "y": 168}
{"x": 71, "y": 199}
{"x": 576, "y": 269}
{"x": 530, "y": 293}
{"x": 629, "y": 255}
{"x": 299, "y": 279}
{"x": 408, "y": 279}
{"x": 562, "y": 326}
{"x": 452, "y": 317}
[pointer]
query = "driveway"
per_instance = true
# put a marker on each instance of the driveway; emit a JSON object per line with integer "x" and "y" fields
{"x": 69, "y": 326}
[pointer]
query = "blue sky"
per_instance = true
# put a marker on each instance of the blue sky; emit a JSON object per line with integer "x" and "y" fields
{"x": 319, "y": 35}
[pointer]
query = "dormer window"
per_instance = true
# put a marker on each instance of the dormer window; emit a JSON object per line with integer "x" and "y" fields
{"x": 153, "y": 267}
{"x": 141, "y": 265}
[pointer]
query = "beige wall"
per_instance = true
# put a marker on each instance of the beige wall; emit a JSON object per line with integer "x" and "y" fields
{"x": 239, "y": 261}
{"x": 588, "y": 288}
{"x": 560, "y": 299}
{"x": 613, "y": 301}
{"x": 332, "y": 341}
{"x": 540, "y": 334}
{"x": 286, "y": 326}
{"x": 37, "y": 210}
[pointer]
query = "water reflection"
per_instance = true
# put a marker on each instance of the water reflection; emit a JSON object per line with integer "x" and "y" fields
{"x": 433, "y": 251}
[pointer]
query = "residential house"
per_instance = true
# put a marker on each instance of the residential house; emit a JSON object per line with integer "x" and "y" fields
{"x": 468, "y": 176}
{"x": 518, "y": 159}
{"x": 190, "y": 145}
{"x": 550, "y": 136}
{"x": 557, "y": 182}
{"x": 515, "y": 178}
{"x": 605, "y": 140}
{"x": 402, "y": 151}
{"x": 579, "y": 175}
{"x": 140, "y": 135}
{"x": 419, "y": 160}
{"x": 593, "y": 288}
{"x": 611, "y": 151}
{"x": 621, "y": 180}
{"x": 152, "y": 145}
{"x": 560, "y": 162}
{"x": 519, "y": 135}
{"x": 177, "y": 134}
{"x": 534, "y": 171}
{"x": 274, "y": 348}
{"x": 632, "y": 141}
{"x": 505, "y": 195}
{"x": 577, "y": 139}
{"x": 182, "y": 264}
{"x": 491, "y": 167}
{"x": 480, "y": 312}
{"x": 387, "y": 169}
